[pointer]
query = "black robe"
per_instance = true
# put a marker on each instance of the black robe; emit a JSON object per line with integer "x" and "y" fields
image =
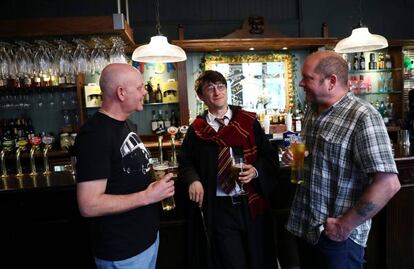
{"x": 198, "y": 161}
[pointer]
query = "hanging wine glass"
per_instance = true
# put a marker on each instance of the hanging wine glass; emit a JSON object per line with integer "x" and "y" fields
{"x": 80, "y": 57}
{"x": 63, "y": 61}
{"x": 13, "y": 81}
{"x": 117, "y": 53}
{"x": 99, "y": 58}
{"x": 43, "y": 63}
{"x": 4, "y": 65}
{"x": 24, "y": 64}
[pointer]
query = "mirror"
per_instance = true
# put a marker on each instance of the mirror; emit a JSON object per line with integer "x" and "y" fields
{"x": 256, "y": 81}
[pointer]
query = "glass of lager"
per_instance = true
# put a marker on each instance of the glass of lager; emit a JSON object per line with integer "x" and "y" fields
{"x": 161, "y": 169}
{"x": 297, "y": 147}
{"x": 235, "y": 169}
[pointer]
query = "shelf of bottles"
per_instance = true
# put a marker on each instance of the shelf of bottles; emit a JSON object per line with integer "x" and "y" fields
{"x": 161, "y": 106}
{"x": 408, "y": 76}
{"x": 371, "y": 77}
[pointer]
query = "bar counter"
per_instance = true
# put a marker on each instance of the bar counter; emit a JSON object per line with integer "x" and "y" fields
{"x": 42, "y": 211}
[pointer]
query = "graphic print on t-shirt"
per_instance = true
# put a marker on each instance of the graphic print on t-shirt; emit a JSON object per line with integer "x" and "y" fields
{"x": 135, "y": 156}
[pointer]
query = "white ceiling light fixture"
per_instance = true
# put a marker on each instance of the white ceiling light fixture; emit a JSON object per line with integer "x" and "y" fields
{"x": 158, "y": 50}
{"x": 361, "y": 39}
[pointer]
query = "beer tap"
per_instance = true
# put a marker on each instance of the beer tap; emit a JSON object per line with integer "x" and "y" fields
{"x": 173, "y": 131}
{"x": 21, "y": 146}
{"x": 48, "y": 141}
{"x": 183, "y": 130}
{"x": 160, "y": 133}
{"x": 35, "y": 142}
{"x": 7, "y": 147}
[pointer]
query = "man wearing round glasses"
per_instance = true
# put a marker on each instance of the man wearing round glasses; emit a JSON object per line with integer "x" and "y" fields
{"x": 236, "y": 232}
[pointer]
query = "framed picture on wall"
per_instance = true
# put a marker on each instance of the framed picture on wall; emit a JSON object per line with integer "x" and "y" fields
{"x": 256, "y": 81}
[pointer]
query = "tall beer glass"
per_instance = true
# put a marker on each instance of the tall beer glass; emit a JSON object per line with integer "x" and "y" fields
{"x": 297, "y": 146}
{"x": 160, "y": 169}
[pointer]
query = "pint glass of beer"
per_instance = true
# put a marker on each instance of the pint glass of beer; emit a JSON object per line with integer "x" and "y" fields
{"x": 297, "y": 146}
{"x": 160, "y": 169}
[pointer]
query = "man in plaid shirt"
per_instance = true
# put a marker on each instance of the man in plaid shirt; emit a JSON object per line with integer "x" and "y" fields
{"x": 350, "y": 173}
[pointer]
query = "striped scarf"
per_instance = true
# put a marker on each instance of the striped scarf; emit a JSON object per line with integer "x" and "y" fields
{"x": 239, "y": 132}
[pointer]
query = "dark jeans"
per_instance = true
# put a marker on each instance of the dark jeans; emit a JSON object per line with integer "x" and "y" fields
{"x": 328, "y": 254}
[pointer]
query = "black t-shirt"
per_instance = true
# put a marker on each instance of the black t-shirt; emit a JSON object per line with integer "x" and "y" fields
{"x": 111, "y": 149}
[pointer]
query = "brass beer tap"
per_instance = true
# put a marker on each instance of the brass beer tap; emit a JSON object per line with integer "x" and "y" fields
{"x": 47, "y": 140}
{"x": 7, "y": 147}
{"x": 183, "y": 130}
{"x": 160, "y": 132}
{"x": 173, "y": 131}
{"x": 35, "y": 142}
{"x": 21, "y": 146}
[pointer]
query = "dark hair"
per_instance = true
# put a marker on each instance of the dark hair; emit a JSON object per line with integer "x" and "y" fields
{"x": 208, "y": 76}
{"x": 332, "y": 63}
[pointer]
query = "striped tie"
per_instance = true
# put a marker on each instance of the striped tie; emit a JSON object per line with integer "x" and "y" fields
{"x": 224, "y": 163}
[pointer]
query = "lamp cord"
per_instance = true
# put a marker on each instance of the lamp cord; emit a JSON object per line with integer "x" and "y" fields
{"x": 157, "y": 16}
{"x": 360, "y": 13}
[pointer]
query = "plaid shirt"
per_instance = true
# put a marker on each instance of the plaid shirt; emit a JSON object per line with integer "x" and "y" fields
{"x": 347, "y": 144}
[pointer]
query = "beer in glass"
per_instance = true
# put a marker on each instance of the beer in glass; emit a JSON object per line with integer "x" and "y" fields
{"x": 160, "y": 170}
{"x": 297, "y": 147}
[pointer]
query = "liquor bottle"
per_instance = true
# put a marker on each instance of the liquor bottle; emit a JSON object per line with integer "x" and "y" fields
{"x": 158, "y": 94}
{"x": 361, "y": 61}
{"x": 160, "y": 121}
{"x": 167, "y": 121}
{"x": 154, "y": 121}
{"x": 150, "y": 92}
{"x": 356, "y": 62}
{"x": 174, "y": 119}
{"x": 288, "y": 121}
{"x": 147, "y": 96}
{"x": 297, "y": 120}
{"x": 381, "y": 64}
{"x": 354, "y": 85}
{"x": 345, "y": 57}
{"x": 381, "y": 108}
{"x": 388, "y": 63}
{"x": 386, "y": 116}
{"x": 372, "y": 63}
{"x": 361, "y": 85}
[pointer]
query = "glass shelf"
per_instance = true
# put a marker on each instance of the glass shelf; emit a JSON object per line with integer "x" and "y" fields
{"x": 409, "y": 79}
{"x": 37, "y": 89}
{"x": 157, "y": 104}
{"x": 374, "y": 93}
{"x": 374, "y": 71}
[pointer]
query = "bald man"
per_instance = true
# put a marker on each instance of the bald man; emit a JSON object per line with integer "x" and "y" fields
{"x": 114, "y": 189}
{"x": 350, "y": 173}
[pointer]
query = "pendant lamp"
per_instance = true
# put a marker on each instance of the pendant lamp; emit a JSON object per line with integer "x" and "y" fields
{"x": 361, "y": 39}
{"x": 158, "y": 50}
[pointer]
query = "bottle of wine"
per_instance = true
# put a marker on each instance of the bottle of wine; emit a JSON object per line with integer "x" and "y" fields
{"x": 174, "y": 119}
{"x": 154, "y": 121}
{"x": 361, "y": 61}
{"x": 158, "y": 94}
{"x": 160, "y": 122}
{"x": 167, "y": 120}
{"x": 356, "y": 62}
{"x": 150, "y": 91}
{"x": 388, "y": 63}
{"x": 372, "y": 62}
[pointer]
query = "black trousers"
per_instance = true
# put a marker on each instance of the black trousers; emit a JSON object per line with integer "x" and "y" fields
{"x": 239, "y": 241}
{"x": 230, "y": 233}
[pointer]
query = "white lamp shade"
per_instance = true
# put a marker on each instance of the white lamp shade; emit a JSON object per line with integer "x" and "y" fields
{"x": 159, "y": 51}
{"x": 361, "y": 40}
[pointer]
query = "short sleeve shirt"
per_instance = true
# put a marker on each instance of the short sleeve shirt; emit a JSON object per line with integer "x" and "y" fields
{"x": 347, "y": 143}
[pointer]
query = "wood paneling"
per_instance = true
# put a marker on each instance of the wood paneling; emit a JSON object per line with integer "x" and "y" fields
{"x": 244, "y": 44}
